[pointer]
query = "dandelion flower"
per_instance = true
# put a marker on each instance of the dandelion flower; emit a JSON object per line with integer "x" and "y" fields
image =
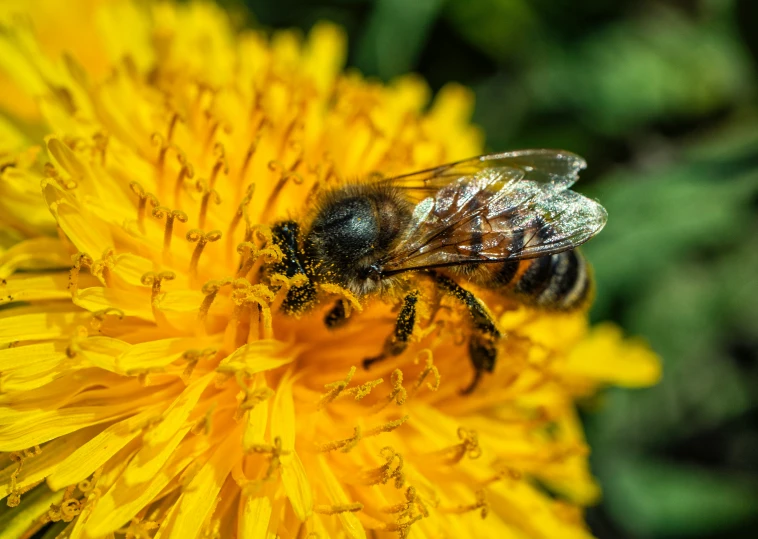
{"x": 150, "y": 385}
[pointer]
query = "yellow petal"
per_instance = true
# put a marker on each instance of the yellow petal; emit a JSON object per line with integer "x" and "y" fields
{"x": 97, "y": 451}
{"x": 294, "y": 477}
{"x": 606, "y": 357}
{"x": 331, "y": 486}
{"x": 122, "y": 502}
{"x": 196, "y": 503}
{"x": 163, "y": 439}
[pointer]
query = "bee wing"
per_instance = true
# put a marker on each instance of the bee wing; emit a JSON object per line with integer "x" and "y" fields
{"x": 557, "y": 168}
{"x": 495, "y": 208}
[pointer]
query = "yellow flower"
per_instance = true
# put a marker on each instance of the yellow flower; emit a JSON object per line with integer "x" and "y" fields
{"x": 150, "y": 387}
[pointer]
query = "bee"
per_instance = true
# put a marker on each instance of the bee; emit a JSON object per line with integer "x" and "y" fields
{"x": 506, "y": 222}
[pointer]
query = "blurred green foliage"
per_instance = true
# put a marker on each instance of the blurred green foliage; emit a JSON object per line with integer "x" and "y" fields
{"x": 660, "y": 97}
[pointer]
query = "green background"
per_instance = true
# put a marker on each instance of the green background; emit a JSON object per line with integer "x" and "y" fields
{"x": 660, "y": 98}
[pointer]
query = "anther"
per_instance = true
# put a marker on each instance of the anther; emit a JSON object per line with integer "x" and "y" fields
{"x": 398, "y": 393}
{"x": 192, "y": 357}
{"x": 73, "y": 348}
{"x": 52, "y": 173}
{"x": 275, "y": 451}
{"x": 384, "y": 473}
{"x": 285, "y": 174}
{"x": 144, "y": 198}
{"x": 334, "y": 389}
{"x": 336, "y": 509}
{"x": 481, "y": 503}
{"x": 238, "y": 216}
{"x": 221, "y": 164}
{"x": 80, "y": 260}
{"x": 210, "y": 289}
{"x": 186, "y": 172}
{"x": 349, "y": 443}
{"x": 202, "y": 239}
{"x": 154, "y": 280}
{"x": 208, "y": 194}
{"x": 102, "y": 267}
{"x": 430, "y": 368}
{"x": 165, "y": 144}
{"x": 454, "y": 454}
{"x": 159, "y": 213}
{"x": 100, "y": 146}
{"x": 284, "y": 284}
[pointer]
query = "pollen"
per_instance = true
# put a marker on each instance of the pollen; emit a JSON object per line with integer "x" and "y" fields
{"x": 158, "y": 388}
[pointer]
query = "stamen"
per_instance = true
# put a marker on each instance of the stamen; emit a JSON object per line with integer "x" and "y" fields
{"x": 275, "y": 451}
{"x": 385, "y": 472}
{"x": 430, "y": 368}
{"x": 349, "y": 443}
{"x": 144, "y": 198}
{"x": 166, "y": 143}
{"x": 241, "y": 212}
{"x": 454, "y": 454}
{"x": 80, "y": 260}
{"x": 210, "y": 289}
{"x": 154, "y": 279}
{"x": 398, "y": 393}
{"x": 159, "y": 213}
{"x": 250, "y": 254}
{"x": 247, "y": 295}
{"x": 284, "y": 285}
{"x": 336, "y": 509}
{"x": 87, "y": 485}
{"x": 102, "y": 268}
{"x": 14, "y": 496}
{"x": 187, "y": 171}
{"x": 98, "y": 317}
{"x": 284, "y": 175}
{"x": 363, "y": 390}
{"x": 221, "y": 164}
{"x": 405, "y": 513}
{"x": 192, "y": 357}
{"x": 208, "y": 195}
{"x": 204, "y": 424}
{"x": 52, "y": 173}
{"x": 100, "y": 146}
{"x": 481, "y": 503}
{"x": 201, "y": 238}
{"x": 335, "y": 388}
{"x": 345, "y": 294}
{"x": 73, "y": 348}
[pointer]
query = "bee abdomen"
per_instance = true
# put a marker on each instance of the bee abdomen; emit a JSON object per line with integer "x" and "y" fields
{"x": 560, "y": 281}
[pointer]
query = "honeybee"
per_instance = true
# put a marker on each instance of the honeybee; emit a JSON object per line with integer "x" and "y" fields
{"x": 506, "y": 222}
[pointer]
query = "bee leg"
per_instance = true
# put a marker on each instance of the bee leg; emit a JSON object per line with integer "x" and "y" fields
{"x": 482, "y": 350}
{"x": 337, "y": 316}
{"x": 483, "y": 355}
{"x": 397, "y": 342}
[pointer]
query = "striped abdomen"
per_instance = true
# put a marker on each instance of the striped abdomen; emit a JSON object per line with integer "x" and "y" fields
{"x": 561, "y": 281}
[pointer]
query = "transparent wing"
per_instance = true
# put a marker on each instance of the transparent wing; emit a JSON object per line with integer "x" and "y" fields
{"x": 558, "y": 168}
{"x": 477, "y": 213}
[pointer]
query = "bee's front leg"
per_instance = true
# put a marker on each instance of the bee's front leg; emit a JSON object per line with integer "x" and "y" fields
{"x": 397, "y": 342}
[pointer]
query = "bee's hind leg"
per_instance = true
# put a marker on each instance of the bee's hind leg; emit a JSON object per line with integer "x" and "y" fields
{"x": 397, "y": 342}
{"x": 483, "y": 354}
{"x": 337, "y": 316}
{"x": 482, "y": 343}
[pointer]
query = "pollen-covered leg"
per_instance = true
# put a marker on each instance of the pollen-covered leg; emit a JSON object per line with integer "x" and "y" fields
{"x": 483, "y": 355}
{"x": 286, "y": 235}
{"x": 482, "y": 349}
{"x": 337, "y": 316}
{"x": 397, "y": 342}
